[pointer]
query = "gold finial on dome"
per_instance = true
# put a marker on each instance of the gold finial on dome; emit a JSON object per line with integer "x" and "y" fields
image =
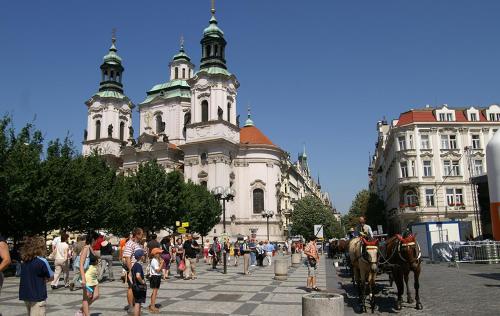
{"x": 213, "y": 8}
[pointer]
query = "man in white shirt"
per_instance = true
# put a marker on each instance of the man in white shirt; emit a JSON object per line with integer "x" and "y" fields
{"x": 364, "y": 229}
{"x": 61, "y": 262}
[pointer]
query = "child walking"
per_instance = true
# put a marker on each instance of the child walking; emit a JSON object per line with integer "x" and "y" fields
{"x": 138, "y": 284}
{"x": 155, "y": 278}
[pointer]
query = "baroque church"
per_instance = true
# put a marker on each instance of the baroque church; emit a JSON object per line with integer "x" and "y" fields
{"x": 190, "y": 124}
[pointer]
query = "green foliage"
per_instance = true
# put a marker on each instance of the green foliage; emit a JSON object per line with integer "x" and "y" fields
{"x": 366, "y": 204}
{"x": 203, "y": 211}
{"x": 155, "y": 196}
{"x": 310, "y": 211}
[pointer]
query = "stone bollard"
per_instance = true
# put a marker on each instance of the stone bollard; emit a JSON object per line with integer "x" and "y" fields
{"x": 322, "y": 304}
{"x": 281, "y": 269}
{"x": 296, "y": 260}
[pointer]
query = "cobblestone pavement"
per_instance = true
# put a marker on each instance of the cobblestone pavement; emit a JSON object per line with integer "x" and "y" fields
{"x": 468, "y": 290}
{"x": 444, "y": 290}
{"x": 213, "y": 293}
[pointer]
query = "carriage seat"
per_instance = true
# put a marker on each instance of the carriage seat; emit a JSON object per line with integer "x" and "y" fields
{"x": 406, "y": 240}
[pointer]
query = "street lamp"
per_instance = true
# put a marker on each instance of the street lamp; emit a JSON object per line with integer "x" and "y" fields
{"x": 226, "y": 194}
{"x": 267, "y": 215}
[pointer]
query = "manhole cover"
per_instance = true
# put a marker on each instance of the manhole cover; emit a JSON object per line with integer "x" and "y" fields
{"x": 226, "y": 297}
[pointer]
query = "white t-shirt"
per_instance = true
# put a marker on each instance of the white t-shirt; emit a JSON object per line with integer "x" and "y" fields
{"x": 155, "y": 264}
{"x": 61, "y": 251}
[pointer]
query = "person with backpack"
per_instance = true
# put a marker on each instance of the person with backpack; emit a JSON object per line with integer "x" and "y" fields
{"x": 35, "y": 273}
{"x": 136, "y": 278}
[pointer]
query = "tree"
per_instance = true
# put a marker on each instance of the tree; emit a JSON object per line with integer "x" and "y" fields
{"x": 202, "y": 210}
{"x": 369, "y": 205}
{"x": 155, "y": 196}
{"x": 310, "y": 211}
{"x": 20, "y": 178}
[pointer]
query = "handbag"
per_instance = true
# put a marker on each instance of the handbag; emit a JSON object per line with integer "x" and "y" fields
{"x": 182, "y": 265}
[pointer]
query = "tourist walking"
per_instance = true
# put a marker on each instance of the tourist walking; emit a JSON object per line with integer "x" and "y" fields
{"x": 191, "y": 249}
{"x": 312, "y": 263}
{"x": 155, "y": 273}
{"x": 132, "y": 245}
{"x": 4, "y": 259}
{"x": 106, "y": 260}
{"x": 77, "y": 249}
{"x": 123, "y": 242}
{"x": 89, "y": 272}
{"x": 236, "y": 247}
{"x": 252, "y": 245}
{"x": 206, "y": 248}
{"x": 179, "y": 255}
{"x": 246, "y": 256}
{"x": 97, "y": 245}
{"x": 35, "y": 273}
{"x": 269, "y": 248}
{"x": 166, "y": 256}
{"x": 61, "y": 262}
{"x": 215, "y": 251}
{"x": 136, "y": 278}
{"x": 260, "y": 253}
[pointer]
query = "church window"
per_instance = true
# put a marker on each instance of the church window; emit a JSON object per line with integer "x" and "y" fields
{"x": 216, "y": 50}
{"x": 229, "y": 112}
{"x": 204, "y": 111}
{"x": 183, "y": 73}
{"x": 176, "y": 72}
{"x": 112, "y": 77}
{"x": 97, "y": 129}
{"x": 207, "y": 51}
{"x": 122, "y": 130}
{"x": 220, "y": 113}
{"x": 203, "y": 184}
{"x": 204, "y": 158}
{"x": 258, "y": 201}
{"x": 159, "y": 124}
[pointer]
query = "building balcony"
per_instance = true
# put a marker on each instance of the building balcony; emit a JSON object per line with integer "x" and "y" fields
{"x": 408, "y": 180}
{"x": 406, "y": 152}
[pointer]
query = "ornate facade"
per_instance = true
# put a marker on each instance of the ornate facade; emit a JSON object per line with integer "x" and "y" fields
{"x": 424, "y": 161}
{"x": 190, "y": 123}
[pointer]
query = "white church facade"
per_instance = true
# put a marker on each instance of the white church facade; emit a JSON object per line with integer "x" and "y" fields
{"x": 190, "y": 124}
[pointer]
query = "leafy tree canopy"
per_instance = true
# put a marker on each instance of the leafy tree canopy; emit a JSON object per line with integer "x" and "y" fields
{"x": 310, "y": 211}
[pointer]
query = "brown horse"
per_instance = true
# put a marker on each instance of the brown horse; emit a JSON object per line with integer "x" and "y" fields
{"x": 404, "y": 254}
{"x": 364, "y": 259}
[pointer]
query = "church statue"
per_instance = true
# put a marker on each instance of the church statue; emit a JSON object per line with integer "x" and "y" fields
{"x": 85, "y": 134}
{"x": 130, "y": 132}
{"x": 110, "y": 130}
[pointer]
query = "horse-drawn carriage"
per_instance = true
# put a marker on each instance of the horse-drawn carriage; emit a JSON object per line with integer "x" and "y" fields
{"x": 396, "y": 256}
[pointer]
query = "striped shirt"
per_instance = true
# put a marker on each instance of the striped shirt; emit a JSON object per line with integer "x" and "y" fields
{"x": 130, "y": 247}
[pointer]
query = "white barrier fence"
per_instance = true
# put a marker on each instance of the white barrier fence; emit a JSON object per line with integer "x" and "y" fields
{"x": 487, "y": 252}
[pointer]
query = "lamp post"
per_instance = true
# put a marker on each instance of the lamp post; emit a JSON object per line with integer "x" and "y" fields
{"x": 267, "y": 215}
{"x": 224, "y": 194}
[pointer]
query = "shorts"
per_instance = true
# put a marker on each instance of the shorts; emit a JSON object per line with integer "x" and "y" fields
{"x": 154, "y": 281}
{"x": 139, "y": 296}
{"x": 311, "y": 271}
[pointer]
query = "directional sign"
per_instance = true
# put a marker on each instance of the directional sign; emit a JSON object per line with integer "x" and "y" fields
{"x": 318, "y": 231}
{"x": 177, "y": 223}
{"x": 181, "y": 230}
{"x": 185, "y": 224}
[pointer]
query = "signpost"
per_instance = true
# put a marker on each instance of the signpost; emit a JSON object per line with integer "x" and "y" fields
{"x": 318, "y": 232}
{"x": 181, "y": 230}
{"x": 185, "y": 224}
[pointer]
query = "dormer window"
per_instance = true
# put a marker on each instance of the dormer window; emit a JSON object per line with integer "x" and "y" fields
{"x": 495, "y": 117}
{"x": 473, "y": 117}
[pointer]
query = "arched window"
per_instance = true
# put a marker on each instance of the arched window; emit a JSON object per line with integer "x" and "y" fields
{"x": 258, "y": 201}
{"x": 97, "y": 129}
{"x": 204, "y": 158}
{"x": 207, "y": 51}
{"x": 183, "y": 73}
{"x": 159, "y": 124}
{"x": 220, "y": 113}
{"x": 203, "y": 184}
{"x": 122, "y": 130}
{"x": 410, "y": 198}
{"x": 216, "y": 50}
{"x": 229, "y": 112}
{"x": 176, "y": 72}
{"x": 204, "y": 111}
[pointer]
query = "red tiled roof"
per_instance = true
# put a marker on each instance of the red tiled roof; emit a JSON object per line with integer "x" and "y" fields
{"x": 427, "y": 115}
{"x": 253, "y": 136}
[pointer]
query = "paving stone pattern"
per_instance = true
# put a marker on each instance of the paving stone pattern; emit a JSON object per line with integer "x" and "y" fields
{"x": 212, "y": 293}
{"x": 468, "y": 290}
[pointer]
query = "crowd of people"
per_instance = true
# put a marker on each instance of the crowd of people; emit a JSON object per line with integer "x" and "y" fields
{"x": 91, "y": 257}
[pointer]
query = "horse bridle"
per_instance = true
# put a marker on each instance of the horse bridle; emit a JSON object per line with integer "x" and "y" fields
{"x": 368, "y": 247}
{"x": 409, "y": 244}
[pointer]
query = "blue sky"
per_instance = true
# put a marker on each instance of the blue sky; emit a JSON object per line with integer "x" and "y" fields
{"x": 314, "y": 72}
